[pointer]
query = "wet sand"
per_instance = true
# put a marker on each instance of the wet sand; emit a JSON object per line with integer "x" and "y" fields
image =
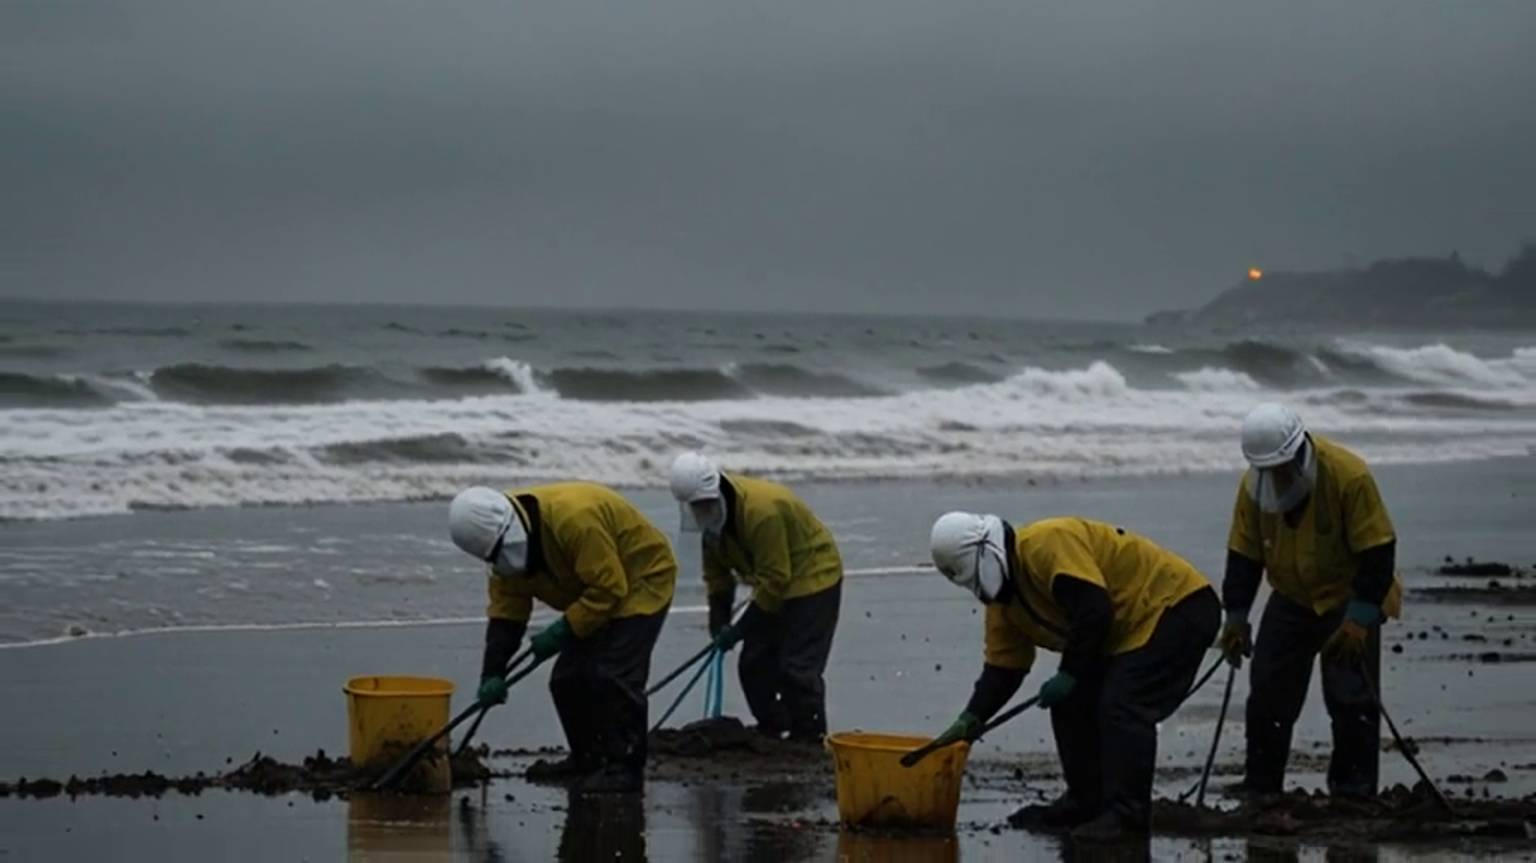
{"x": 905, "y": 657}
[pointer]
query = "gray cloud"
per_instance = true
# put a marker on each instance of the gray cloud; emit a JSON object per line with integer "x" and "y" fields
{"x": 1036, "y": 159}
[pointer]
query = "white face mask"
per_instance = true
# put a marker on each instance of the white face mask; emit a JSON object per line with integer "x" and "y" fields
{"x": 707, "y": 515}
{"x": 511, "y": 560}
{"x": 1279, "y": 490}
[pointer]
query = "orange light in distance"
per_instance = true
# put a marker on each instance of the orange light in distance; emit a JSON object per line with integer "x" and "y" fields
{"x": 1254, "y": 274}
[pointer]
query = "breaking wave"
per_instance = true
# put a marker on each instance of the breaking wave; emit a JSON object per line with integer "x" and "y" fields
{"x": 734, "y": 381}
{"x": 1066, "y": 423}
{"x": 19, "y": 390}
{"x": 201, "y": 435}
{"x": 959, "y": 373}
{"x": 495, "y": 376}
{"x": 444, "y": 448}
{"x": 787, "y": 380}
{"x": 1442, "y": 364}
{"x": 1242, "y": 366}
{"x": 1217, "y": 380}
{"x": 617, "y": 385}
{"x": 1275, "y": 366}
{"x": 198, "y": 383}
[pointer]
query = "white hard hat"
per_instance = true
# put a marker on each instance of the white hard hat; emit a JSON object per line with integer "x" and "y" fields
{"x": 479, "y": 517}
{"x": 694, "y": 478}
{"x": 968, "y": 549}
{"x": 1272, "y": 435}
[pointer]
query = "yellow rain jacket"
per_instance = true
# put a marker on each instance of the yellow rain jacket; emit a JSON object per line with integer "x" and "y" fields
{"x": 600, "y": 559}
{"x": 773, "y": 544}
{"x": 1143, "y": 580}
{"x": 1314, "y": 563}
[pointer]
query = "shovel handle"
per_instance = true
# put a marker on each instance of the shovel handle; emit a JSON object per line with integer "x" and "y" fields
{"x": 692, "y": 682}
{"x": 1221, "y": 719}
{"x": 1406, "y": 747}
{"x": 676, "y": 673}
{"x": 486, "y": 708}
{"x": 407, "y": 761}
{"x": 916, "y": 755}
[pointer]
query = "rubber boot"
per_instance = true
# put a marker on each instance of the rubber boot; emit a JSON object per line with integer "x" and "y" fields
{"x": 1109, "y": 826}
{"x": 556, "y": 772}
{"x": 1058, "y": 816}
{"x": 611, "y": 779}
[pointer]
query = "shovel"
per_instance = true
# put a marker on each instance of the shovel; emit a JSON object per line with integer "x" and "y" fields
{"x": 1226, "y": 698}
{"x": 692, "y": 682}
{"x": 407, "y": 761}
{"x": 486, "y": 708}
{"x": 1403, "y": 746}
{"x": 916, "y": 755}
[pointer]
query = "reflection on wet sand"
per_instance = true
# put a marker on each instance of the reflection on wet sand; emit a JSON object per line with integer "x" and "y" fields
{"x": 608, "y": 827}
{"x": 756, "y": 824}
{"x": 1274, "y": 851}
{"x": 396, "y": 825}
{"x": 855, "y": 847}
{"x": 474, "y": 831}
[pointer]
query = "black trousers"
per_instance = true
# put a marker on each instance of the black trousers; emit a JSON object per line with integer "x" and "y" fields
{"x": 1290, "y": 637}
{"x": 782, "y": 661}
{"x": 598, "y": 686}
{"x": 1106, "y": 731}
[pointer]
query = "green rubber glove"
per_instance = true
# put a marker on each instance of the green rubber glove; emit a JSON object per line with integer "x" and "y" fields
{"x": 965, "y": 727}
{"x": 493, "y": 690}
{"x": 551, "y": 640}
{"x": 732, "y": 633}
{"x": 728, "y": 636}
{"x": 1057, "y": 689}
{"x": 1348, "y": 643}
{"x": 1236, "y": 639}
{"x": 1364, "y": 613}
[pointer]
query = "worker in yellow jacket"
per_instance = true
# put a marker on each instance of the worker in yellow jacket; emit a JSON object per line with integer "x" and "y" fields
{"x": 1131, "y": 621}
{"x": 759, "y": 533}
{"x": 585, "y": 551}
{"x": 1308, "y": 514}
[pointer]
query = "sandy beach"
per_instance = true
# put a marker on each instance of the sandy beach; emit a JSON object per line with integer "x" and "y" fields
{"x": 1457, "y": 677}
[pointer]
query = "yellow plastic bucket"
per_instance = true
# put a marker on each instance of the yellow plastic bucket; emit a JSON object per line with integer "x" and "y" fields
{"x": 874, "y": 790}
{"x": 387, "y": 715}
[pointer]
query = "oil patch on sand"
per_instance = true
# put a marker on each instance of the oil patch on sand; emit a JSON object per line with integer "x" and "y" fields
{"x": 318, "y": 775}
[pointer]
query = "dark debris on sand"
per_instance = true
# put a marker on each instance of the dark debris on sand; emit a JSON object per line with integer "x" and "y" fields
{"x": 725, "y": 749}
{"x": 1399, "y": 814}
{"x": 1495, "y": 593}
{"x": 318, "y": 775}
{"x": 1474, "y": 568}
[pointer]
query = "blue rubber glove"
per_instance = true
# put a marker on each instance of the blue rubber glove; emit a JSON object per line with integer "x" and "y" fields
{"x": 493, "y": 690}
{"x": 1057, "y": 689}
{"x": 551, "y": 640}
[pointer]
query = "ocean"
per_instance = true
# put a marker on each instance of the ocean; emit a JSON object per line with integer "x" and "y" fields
{"x": 114, "y": 409}
{"x": 158, "y": 463}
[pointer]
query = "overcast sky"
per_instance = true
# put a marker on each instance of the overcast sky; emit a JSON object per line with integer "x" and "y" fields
{"x": 1035, "y": 157}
